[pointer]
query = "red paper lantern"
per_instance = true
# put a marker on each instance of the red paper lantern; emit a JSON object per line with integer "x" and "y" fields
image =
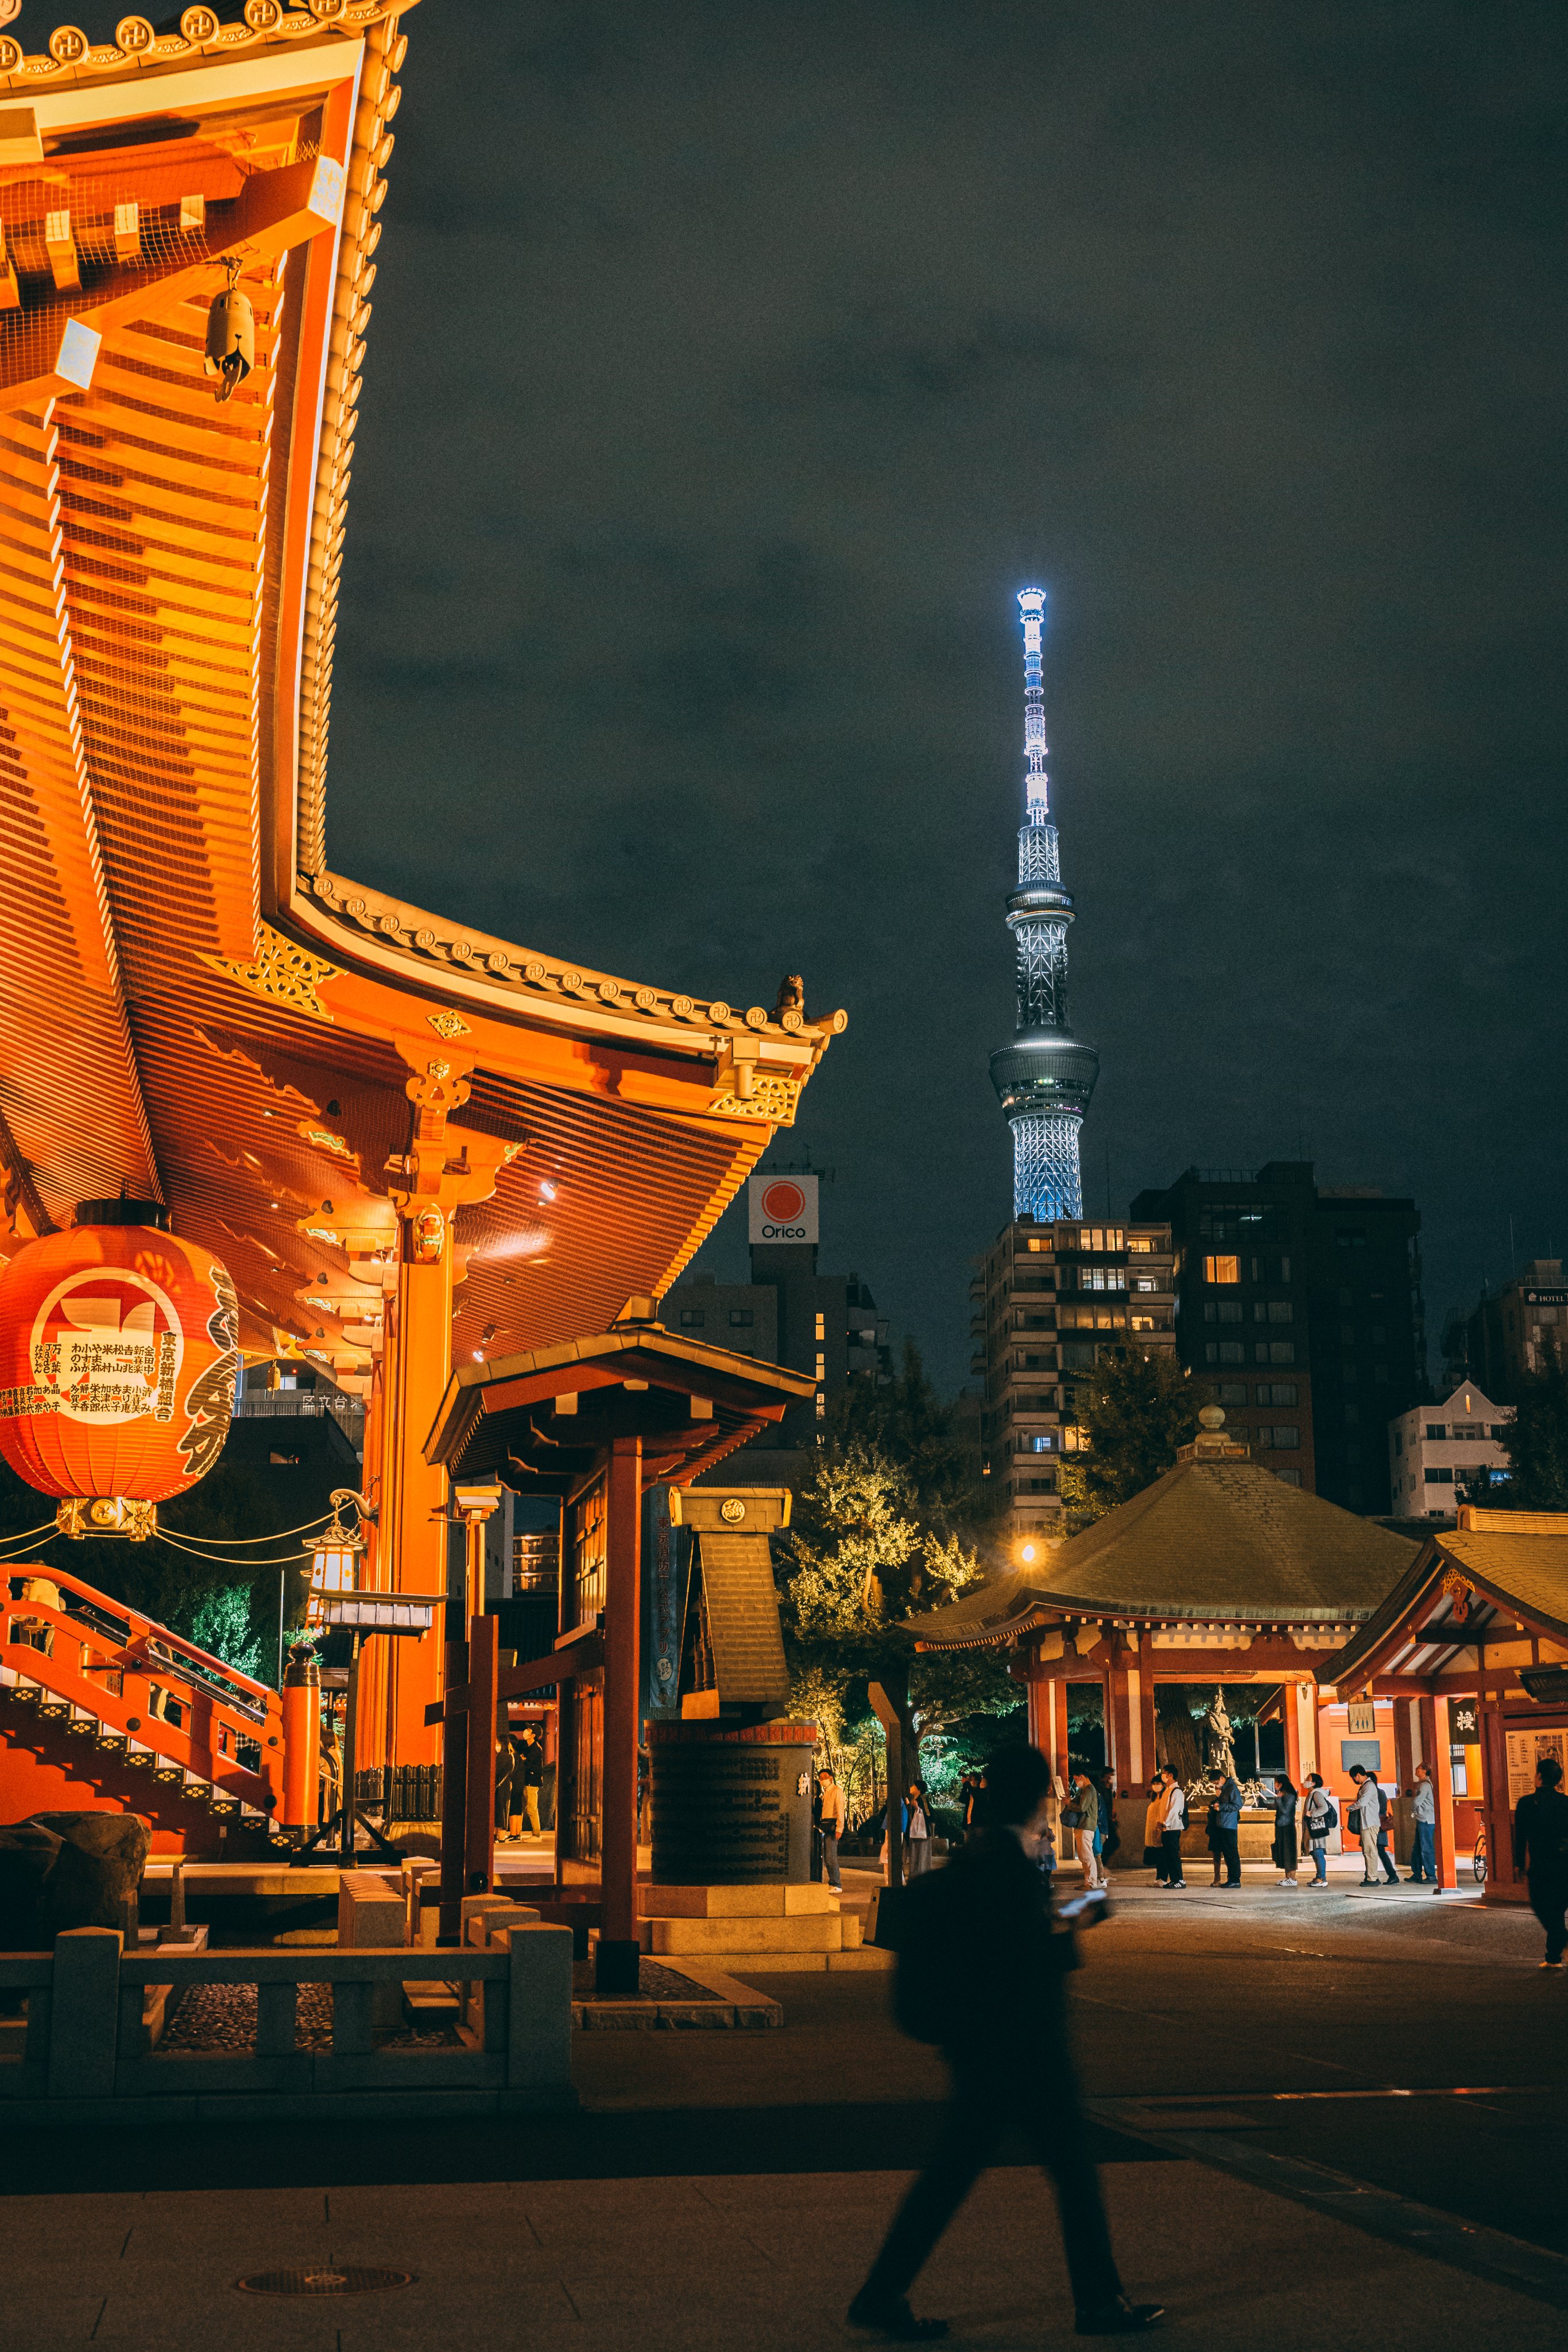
{"x": 119, "y": 1350}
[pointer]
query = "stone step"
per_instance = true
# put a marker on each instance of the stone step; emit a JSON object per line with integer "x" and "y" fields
{"x": 818, "y": 1932}
{"x": 772, "y": 1900}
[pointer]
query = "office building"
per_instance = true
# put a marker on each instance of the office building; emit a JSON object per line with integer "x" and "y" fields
{"x": 1302, "y": 1304}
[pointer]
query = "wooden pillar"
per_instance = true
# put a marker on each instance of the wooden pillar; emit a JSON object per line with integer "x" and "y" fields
{"x": 1118, "y": 1725}
{"x": 1404, "y": 1758}
{"x": 1291, "y": 1721}
{"x": 414, "y": 1491}
{"x": 374, "y": 1662}
{"x": 617, "y": 1941}
{"x": 1434, "y": 1728}
{"x": 1147, "y": 1709}
{"x": 484, "y": 1665}
{"x": 1053, "y": 1725}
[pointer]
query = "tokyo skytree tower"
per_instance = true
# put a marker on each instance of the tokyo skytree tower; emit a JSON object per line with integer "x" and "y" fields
{"x": 1045, "y": 1076}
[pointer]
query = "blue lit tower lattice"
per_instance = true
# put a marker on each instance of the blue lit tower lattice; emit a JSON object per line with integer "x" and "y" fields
{"x": 1045, "y": 1076}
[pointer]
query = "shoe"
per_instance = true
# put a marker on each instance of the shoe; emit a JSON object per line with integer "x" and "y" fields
{"x": 1181, "y": 1887}
{"x": 1552, "y": 1964}
{"x": 891, "y": 2315}
{"x": 1120, "y": 2318}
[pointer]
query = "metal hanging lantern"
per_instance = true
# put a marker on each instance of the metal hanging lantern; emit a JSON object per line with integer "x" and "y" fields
{"x": 334, "y": 1558}
{"x": 231, "y": 336}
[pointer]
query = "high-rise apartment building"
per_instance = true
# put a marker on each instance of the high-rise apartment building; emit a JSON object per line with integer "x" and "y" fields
{"x": 1509, "y": 1332}
{"x": 1049, "y": 1301}
{"x": 1302, "y": 1304}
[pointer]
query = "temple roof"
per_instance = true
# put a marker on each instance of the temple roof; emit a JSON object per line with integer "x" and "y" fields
{"x": 1496, "y": 1571}
{"x": 195, "y": 1007}
{"x": 1213, "y": 1539}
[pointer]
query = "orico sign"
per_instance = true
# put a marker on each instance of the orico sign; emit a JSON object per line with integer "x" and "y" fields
{"x": 782, "y": 1209}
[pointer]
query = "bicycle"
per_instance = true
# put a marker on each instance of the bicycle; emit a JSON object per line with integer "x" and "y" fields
{"x": 1478, "y": 1859}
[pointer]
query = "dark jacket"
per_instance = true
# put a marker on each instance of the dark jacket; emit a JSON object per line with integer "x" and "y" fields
{"x": 1540, "y": 1832}
{"x": 529, "y": 1768}
{"x": 990, "y": 1954}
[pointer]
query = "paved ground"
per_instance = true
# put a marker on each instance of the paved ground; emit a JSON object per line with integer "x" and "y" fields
{"x": 1327, "y": 2119}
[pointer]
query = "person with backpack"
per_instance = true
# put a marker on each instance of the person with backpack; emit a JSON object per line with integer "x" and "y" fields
{"x": 1319, "y": 1820}
{"x": 1541, "y": 1851}
{"x": 1086, "y": 1828}
{"x": 981, "y": 1971}
{"x": 1370, "y": 1824}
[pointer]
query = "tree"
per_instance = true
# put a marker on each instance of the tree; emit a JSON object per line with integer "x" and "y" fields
{"x": 863, "y": 1556}
{"x": 1134, "y": 1409}
{"x": 1537, "y": 1440}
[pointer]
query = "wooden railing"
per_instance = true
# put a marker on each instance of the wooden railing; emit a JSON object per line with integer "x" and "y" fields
{"x": 86, "y": 2047}
{"x": 128, "y": 1672}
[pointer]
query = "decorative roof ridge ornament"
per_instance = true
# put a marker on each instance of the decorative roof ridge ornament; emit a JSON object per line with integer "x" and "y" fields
{"x": 409, "y": 932}
{"x": 1214, "y": 1442}
{"x": 202, "y": 38}
{"x": 280, "y": 971}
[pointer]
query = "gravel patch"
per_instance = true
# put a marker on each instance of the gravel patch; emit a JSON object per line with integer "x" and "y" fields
{"x": 223, "y": 2017}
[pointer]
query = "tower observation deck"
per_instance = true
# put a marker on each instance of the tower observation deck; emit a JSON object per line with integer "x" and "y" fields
{"x": 1045, "y": 1077}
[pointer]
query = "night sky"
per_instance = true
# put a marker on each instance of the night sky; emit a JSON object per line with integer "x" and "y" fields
{"x": 732, "y": 369}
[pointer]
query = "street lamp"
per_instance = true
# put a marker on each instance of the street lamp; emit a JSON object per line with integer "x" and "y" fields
{"x": 334, "y": 1557}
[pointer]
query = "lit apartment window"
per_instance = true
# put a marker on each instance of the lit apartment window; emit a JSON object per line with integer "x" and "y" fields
{"x": 821, "y": 1327}
{"x": 821, "y": 1367}
{"x": 1140, "y": 1246}
{"x": 821, "y": 1405}
{"x": 1222, "y": 1269}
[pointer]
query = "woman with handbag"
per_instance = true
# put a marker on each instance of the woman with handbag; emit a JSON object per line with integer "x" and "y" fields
{"x": 1153, "y": 1855}
{"x": 1285, "y": 1799}
{"x": 1318, "y": 1819}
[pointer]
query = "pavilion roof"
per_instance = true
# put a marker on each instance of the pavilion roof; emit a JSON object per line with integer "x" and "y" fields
{"x": 541, "y": 1417}
{"x": 1495, "y": 1570}
{"x": 196, "y": 1008}
{"x": 1216, "y": 1540}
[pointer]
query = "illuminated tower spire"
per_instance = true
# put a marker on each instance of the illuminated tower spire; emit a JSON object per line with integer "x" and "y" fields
{"x": 1045, "y": 1076}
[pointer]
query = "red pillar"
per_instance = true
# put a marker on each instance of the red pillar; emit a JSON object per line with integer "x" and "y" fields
{"x": 479, "y": 1839}
{"x": 1291, "y": 1721}
{"x": 617, "y": 1945}
{"x": 1404, "y": 1755}
{"x": 1434, "y": 1740}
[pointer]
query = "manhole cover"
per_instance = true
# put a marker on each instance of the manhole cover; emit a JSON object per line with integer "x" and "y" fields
{"x": 322, "y": 2281}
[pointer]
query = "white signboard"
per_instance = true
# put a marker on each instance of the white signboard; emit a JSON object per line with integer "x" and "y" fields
{"x": 782, "y": 1209}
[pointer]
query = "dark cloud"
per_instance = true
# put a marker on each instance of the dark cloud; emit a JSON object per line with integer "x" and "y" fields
{"x": 731, "y": 369}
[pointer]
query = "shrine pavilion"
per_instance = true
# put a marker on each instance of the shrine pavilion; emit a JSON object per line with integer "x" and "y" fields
{"x": 411, "y": 1142}
{"x": 1470, "y": 1652}
{"x": 1216, "y": 1573}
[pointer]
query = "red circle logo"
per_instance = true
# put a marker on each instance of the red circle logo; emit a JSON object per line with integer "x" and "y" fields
{"x": 782, "y": 1203}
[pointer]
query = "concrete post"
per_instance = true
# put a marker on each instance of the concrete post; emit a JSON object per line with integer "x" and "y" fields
{"x": 539, "y": 2014}
{"x": 372, "y": 1914}
{"x": 85, "y": 2020}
